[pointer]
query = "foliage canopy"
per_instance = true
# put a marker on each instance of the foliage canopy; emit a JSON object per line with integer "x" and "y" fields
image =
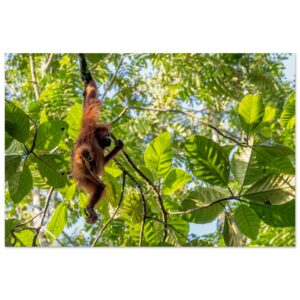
{"x": 211, "y": 138}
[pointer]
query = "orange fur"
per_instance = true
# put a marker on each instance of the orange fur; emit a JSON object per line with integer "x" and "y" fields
{"x": 88, "y": 159}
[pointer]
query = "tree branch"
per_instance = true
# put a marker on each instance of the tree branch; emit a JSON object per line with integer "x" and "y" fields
{"x": 43, "y": 217}
{"x": 101, "y": 230}
{"x": 112, "y": 79}
{"x": 142, "y": 197}
{"x": 33, "y": 76}
{"x": 228, "y": 135}
{"x": 186, "y": 212}
{"x": 171, "y": 226}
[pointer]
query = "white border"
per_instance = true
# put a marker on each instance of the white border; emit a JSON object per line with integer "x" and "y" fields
{"x": 147, "y": 26}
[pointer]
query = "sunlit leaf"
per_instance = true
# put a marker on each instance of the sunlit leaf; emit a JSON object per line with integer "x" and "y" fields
{"x": 158, "y": 155}
{"x": 74, "y": 120}
{"x": 287, "y": 118}
{"x": 207, "y": 160}
{"x": 25, "y": 238}
{"x": 273, "y": 189}
{"x": 251, "y": 112}
{"x": 175, "y": 180}
{"x": 57, "y": 221}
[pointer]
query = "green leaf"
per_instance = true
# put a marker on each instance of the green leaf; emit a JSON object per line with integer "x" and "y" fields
{"x": 274, "y": 158}
{"x": 277, "y": 215}
{"x": 112, "y": 190}
{"x": 49, "y": 166}
{"x": 272, "y": 189}
{"x": 12, "y": 163}
{"x": 245, "y": 167}
{"x": 158, "y": 155}
{"x": 247, "y": 221}
{"x": 288, "y": 119}
{"x": 49, "y": 134}
{"x": 34, "y": 110}
{"x": 203, "y": 197}
{"x": 207, "y": 160}
{"x": 231, "y": 233}
{"x": 175, "y": 180}
{"x": 74, "y": 120}
{"x": 180, "y": 225}
{"x": 269, "y": 115}
{"x": 20, "y": 184}
{"x": 9, "y": 225}
{"x": 133, "y": 207}
{"x": 16, "y": 122}
{"x": 251, "y": 112}
{"x": 8, "y": 140}
{"x": 70, "y": 191}
{"x": 57, "y": 221}
{"x": 113, "y": 170}
{"x": 25, "y": 238}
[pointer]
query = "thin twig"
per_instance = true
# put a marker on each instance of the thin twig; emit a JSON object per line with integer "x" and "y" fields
{"x": 155, "y": 190}
{"x": 33, "y": 76}
{"x": 228, "y": 135}
{"x": 43, "y": 217}
{"x": 48, "y": 63}
{"x": 171, "y": 226}
{"x": 142, "y": 197}
{"x": 101, "y": 230}
{"x": 112, "y": 79}
{"x": 200, "y": 207}
{"x": 23, "y": 224}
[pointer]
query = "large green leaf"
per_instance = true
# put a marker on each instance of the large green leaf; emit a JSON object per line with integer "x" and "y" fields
{"x": 207, "y": 160}
{"x": 247, "y": 221}
{"x": 57, "y": 221}
{"x": 12, "y": 163}
{"x": 133, "y": 207}
{"x": 52, "y": 171}
{"x": 16, "y": 122}
{"x": 158, "y": 155}
{"x": 49, "y": 134}
{"x": 175, "y": 180}
{"x": 74, "y": 120}
{"x": 288, "y": 118}
{"x": 112, "y": 190}
{"x": 272, "y": 189}
{"x": 202, "y": 197}
{"x": 277, "y": 215}
{"x": 20, "y": 184}
{"x": 251, "y": 112}
{"x": 231, "y": 233}
{"x": 274, "y": 158}
{"x": 245, "y": 167}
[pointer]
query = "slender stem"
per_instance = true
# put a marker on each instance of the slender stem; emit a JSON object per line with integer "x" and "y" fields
{"x": 101, "y": 230}
{"x": 171, "y": 226}
{"x": 198, "y": 208}
{"x": 112, "y": 79}
{"x": 43, "y": 217}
